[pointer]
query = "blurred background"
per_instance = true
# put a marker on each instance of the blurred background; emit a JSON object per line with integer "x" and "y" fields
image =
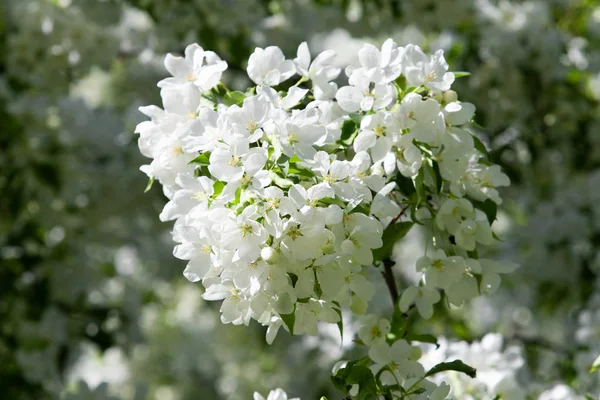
{"x": 94, "y": 306}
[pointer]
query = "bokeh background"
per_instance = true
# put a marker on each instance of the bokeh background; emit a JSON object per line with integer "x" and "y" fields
{"x": 94, "y": 306}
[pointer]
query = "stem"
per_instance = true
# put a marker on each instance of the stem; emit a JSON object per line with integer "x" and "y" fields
{"x": 390, "y": 280}
{"x": 302, "y": 80}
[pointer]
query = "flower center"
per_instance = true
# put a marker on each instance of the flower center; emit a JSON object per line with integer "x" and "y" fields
{"x": 430, "y": 76}
{"x": 235, "y": 161}
{"x": 294, "y": 233}
{"x": 292, "y": 138}
{"x": 251, "y": 126}
{"x": 246, "y": 230}
{"x": 177, "y": 150}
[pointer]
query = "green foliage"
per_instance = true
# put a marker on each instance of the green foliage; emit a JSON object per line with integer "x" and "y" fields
{"x": 356, "y": 372}
{"x": 455, "y": 365}
{"x": 391, "y": 235}
{"x": 234, "y": 98}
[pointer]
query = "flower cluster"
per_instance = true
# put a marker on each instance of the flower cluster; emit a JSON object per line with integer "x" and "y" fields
{"x": 282, "y": 198}
{"x": 497, "y": 367}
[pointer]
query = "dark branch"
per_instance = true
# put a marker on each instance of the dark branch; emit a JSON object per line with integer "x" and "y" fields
{"x": 390, "y": 280}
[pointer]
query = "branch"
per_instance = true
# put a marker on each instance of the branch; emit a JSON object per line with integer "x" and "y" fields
{"x": 390, "y": 280}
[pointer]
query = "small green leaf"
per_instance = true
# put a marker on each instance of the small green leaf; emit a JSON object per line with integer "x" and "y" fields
{"x": 232, "y": 98}
{"x": 348, "y": 128}
{"x": 595, "y": 365}
{"x": 420, "y": 186}
{"x": 295, "y": 159}
{"x": 289, "y": 320}
{"x": 329, "y": 200}
{"x": 439, "y": 181}
{"x": 202, "y": 159}
{"x": 480, "y": 146}
{"x": 391, "y": 235}
{"x": 398, "y": 325}
{"x": 461, "y": 74}
{"x": 340, "y": 324}
{"x": 455, "y": 365}
{"x": 279, "y": 181}
{"x": 426, "y": 338}
{"x": 356, "y": 372}
{"x": 489, "y": 207}
{"x": 238, "y": 195}
{"x": 149, "y": 185}
{"x": 363, "y": 376}
{"x": 356, "y": 117}
{"x": 405, "y": 185}
{"x": 301, "y": 172}
{"x": 218, "y": 188}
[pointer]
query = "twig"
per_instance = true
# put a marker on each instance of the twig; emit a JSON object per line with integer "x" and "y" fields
{"x": 390, "y": 280}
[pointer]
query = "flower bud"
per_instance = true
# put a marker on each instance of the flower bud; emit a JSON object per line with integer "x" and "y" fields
{"x": 270, "y": 255}
{"x": 450, "y": 96}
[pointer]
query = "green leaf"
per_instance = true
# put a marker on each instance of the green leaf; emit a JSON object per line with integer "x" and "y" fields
{"x": 420, "y": 186}
{"x": 480, "y": 146}
{"x": 289, "y": 320}
{"x": 279, "y": 181}
{"x": 595, "y": 364}
{"x": 439, "y": 181}
{"x": 218, "y": 188}
{"x": 461, "y": 74}
{"x": 356, "y": 117}
{"x": 295, "y": 159}
{"x": 238, "y": 195}
{"x": 348, "y": 128}
{"x": 301, "y": 172}
{"x": 202, "y": 159}
{"x": 336, "y": 200}
{"x": 489, "y": 207}
{"x": 398, "y": 325}
{"x": 340, "y": 324}
{"x": 405, "y": 185}
{"x": 363, "y": 376}
{"x": 356, "y": 372}
{"x": 232, "y": 98}
{"x": 455, "y": 365}
{"x": 149, "y": 185}
{"x": 391, "y": 235}
{"x": 426, "y": 338}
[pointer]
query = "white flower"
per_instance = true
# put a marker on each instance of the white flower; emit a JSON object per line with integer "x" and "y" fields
{"x": 277, "y": 394}
{"x": 400, "y": 356}
{"x": 360, "y": 96}
{"x": 195, "y": 192}
{"x": 320, "y": 68}
{"x": 307, "y": 315}
{"x": 373, "y": 135}
{"x": 380, "y": 66}
{"x": 374, "y": 330}
{"x": 244, "y": 235}
{"x": 202, "y": 68}
{"x": 269, "y": 67}
{"x": 440, "y": 270}
{"x": 422, "y": 296}
{"x": 430, "y": 72}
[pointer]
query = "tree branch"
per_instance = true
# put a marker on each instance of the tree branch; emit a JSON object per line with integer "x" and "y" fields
{"x": 390, "y": 280}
